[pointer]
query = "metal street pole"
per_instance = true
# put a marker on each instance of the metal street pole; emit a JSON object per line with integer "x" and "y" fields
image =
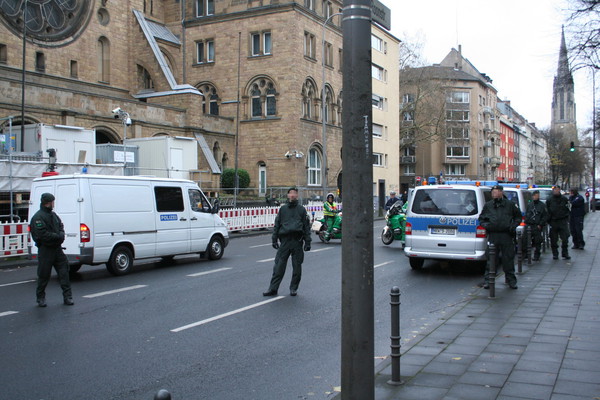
{"x": 23, "y": 76}
{"x": 323, "y": 110}
{"x": 358, "y": 365}
{"x": 236, "y": 179}
{"x": 594, "y": 140}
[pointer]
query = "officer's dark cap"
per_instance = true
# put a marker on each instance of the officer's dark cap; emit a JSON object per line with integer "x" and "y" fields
{"x": 498, "y": 187}
{"x": 535, "y": 192}
{"x": 292, "y": 188}
{"x": 47, "y": 198}
{"x": 556, "y": 187}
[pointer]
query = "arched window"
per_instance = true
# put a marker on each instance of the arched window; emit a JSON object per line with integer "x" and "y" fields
{"x": 225, "y": 161}
{"x": 314, "y": 167}
{"x": 308, "y": 96}
{"x": 256, "y": 102}
{"x": 210, "y": 100}
{"x": 103, "y": 53}
{"x": 145, "y": 81}
{"x": 271, "y": 102}
{"x": 329, "y": 116}
{"x": 217, "y": 153}
{"x": 339, "y": 109}
{"x": 262, "y": 97}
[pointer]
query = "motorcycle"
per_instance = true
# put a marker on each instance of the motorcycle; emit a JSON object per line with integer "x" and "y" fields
{"x": 319, "y": 226}
{"x": 396, "y": 222}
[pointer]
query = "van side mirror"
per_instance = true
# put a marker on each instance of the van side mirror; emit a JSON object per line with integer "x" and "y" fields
{"x": 215, "y": 206}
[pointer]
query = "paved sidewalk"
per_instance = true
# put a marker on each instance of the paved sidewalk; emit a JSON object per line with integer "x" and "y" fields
{"x": 541, "y": 341}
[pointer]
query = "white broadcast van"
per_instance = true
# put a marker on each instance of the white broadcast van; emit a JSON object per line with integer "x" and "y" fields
{"x": 116, "y": 219}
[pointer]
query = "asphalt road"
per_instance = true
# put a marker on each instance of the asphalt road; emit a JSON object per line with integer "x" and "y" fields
{"x": 202, "y": 329}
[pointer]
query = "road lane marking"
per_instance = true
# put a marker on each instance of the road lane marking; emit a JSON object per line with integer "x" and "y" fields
{"x": 17, "y": 283}
{"x": 267, "y": 260}
{"x": 90, "y": 296}
{"x": 382, "y": 264}
{"x": 261, "y": 245}
{"x": 318, "y": 250}
{"x": 227, "y": 314}
{"x": 5, "y": 313}
{"x": 209, "y": 272}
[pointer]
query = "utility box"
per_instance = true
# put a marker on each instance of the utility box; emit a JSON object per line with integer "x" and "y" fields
{"x": 72, "y": 144}
{"x": 111, "y": 153}
{"x": 166, "y": 156}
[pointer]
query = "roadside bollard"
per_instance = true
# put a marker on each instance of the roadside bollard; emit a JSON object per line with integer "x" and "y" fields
{"x": 162, "y": 394}
{"x": 395, "y": 337}
{"x": 492, "y": 270}
{"x": 528, "y": 247}
{"x": 520, "y": 238}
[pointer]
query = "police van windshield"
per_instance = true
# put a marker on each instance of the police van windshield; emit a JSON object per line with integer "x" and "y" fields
{"x": 446, "y": 201}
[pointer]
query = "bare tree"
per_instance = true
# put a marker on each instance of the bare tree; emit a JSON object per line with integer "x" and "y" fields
{"x": 411, "y": 51}
{"x": 584, "y": 30}
{"x": 565, "y": 165}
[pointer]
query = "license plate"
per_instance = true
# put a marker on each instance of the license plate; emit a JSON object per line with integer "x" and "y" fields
{"x": 443, "y": 231}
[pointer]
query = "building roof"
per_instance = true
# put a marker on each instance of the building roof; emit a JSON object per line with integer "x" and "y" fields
{"x": 438, "y": 72}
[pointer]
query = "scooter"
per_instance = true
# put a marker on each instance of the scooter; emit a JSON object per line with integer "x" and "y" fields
{"x": 319, "y": 226}
{"x": 396, "y": 222}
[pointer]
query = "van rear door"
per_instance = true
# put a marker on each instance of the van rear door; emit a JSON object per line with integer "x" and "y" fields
{"x": 172, "y": 220}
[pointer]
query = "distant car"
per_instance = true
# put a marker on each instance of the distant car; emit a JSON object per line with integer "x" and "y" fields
{"x": 596, "y": 203}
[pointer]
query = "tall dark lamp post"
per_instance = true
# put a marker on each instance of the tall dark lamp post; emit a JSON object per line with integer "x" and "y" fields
{"x": 23, "y": 75}
{"x": 594, "y": 139}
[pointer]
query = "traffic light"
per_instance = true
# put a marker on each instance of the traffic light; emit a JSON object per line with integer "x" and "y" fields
{"x": 572, "y": 146}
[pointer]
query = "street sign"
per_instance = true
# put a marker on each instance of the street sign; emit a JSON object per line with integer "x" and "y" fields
{"x": 381, "y": 14}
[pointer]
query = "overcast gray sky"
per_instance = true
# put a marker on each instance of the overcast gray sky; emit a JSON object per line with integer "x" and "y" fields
{"x": 515, "y": 42}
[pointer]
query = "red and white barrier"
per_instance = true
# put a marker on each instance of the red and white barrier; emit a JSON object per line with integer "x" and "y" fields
{"x": 13, "y": 238}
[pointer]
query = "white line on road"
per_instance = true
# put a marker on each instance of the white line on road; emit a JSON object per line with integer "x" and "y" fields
{"x": 5, "y": 313}
{"x": 89, "y": 296}
{"x": 209, "y": 272}
{"x": 267, "y": 259}
{"x": 239, "y": 310}
{"x": 260, "y": 245}
{"x": 318, "y": 250}
{"x": 383, "y": 263}
{"x": 17, "y": 283}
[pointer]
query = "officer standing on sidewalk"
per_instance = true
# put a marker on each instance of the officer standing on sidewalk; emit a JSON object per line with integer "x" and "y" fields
{"x": 500, "y": 217}
{"x": 558, "y": 216}
{"x": 48, "y": 233}
{"x": 576, "y": 222}
{"x": 292, "y": 228}
{"x": 536, "y": 217}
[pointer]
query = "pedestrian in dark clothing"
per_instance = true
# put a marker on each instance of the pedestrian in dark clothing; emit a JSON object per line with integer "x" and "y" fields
{"x": 558, "y": 218}
{"x": 393, "y": 199}
{"x": 576, "y": 221}
{"x": 48, "y": 233}
{"x": 536, "y": 217}
{"x": 500, "y": 217}
{"x": 292, "y": 229}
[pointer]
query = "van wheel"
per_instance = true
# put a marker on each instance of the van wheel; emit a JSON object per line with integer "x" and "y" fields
{"x": 416, "y": 263}
{"x": 74, "y": 268}
{"x": 120, "y": 261}
{"x": 215, "y": 248}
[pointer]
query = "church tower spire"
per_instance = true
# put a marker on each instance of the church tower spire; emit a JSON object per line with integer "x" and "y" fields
{"x": 563, "y": 100}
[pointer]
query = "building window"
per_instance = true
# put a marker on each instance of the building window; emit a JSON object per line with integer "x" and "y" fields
{"x": 308, "y": 95}
{"x": 377, "y": 101}
{"x": 327, "y": 9}
{"x": 456, "y": 115}
{"x": 341, "y": 57}
{"x": 408, "y": 116}
{"x": 456, "y": 169}
{"x": 210, "y": 99}
{"x": 144, "y": 79}
{"x": 409, "y": 151}
{"x": 260, "y": 44}
{"x": 314, "y": 167}
{"x": 3, "y": 53}
{"x": 256, "y": 102}
{"x": 377, "y": 130}
{"x": 457, "y": 132}
{"x": 329, "y": 102}
{"x": 271, "y": 109}
{"x": 458, "y": 97}
{"x": 408, "y": 169}
{"x": 378, "y": 72}
{"x": 457, "y": 151}
{"x": 263, "y": 99}
{"x": 309, "y": 45}
{"x": 378, "y": 160}
{"x": 376, "y": 43}
{"x": 73, "y": 69}
{"x": 40, "y": 61}
{"x": 328, "y": 54}
{"x": 408, "y": 98}
{"x": 205, "y": 51}
{"x": 310, "y": 4}
{"x": 205, "y": 7}
{"x": 103, "y": 48}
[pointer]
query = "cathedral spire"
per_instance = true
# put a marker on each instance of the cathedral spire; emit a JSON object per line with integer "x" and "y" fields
{"x": 563, "y": 99}
{"x": 564, "y": 71}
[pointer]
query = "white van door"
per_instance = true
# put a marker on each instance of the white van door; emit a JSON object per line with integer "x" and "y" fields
{"x": 67, "y": 206}
{"x": 202, "y": 222}
{"x": 172, "y": 221}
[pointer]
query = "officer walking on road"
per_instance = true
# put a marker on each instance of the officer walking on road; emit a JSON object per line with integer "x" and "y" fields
{"x": 558, "y": 216}
{"x": 536, "y": 217}
{"x": 48, "y": 233}
{"x": 500, "y": 217}
{"x": 292, "y": 229}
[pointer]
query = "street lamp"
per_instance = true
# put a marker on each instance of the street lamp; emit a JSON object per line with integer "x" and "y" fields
{"x": 594, "y": 139}
{"x": 323, "y": 108}
{"x": 126, "y": 120}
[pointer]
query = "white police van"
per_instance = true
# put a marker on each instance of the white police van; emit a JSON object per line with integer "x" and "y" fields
{"x": 442, "y": 222}
{"x": 116, "y": 219}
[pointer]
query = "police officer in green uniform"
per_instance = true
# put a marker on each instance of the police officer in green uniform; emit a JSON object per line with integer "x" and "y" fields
{"x": 500, "y": 217}
{"x": 558, "y": 216}
{"x": 330, "y": 210}
{"x": 48, "y": 233}
{"x": 536, "y": 217}
{"x": 292, "y": 229}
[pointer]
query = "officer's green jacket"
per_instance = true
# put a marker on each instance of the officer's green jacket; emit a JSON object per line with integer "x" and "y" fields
{"x": 329, "y": 209}
{"x": 46, "y": 228}
{"x": 558, "y": 208}
{"x": 500, "y": 216}
{"x": 292, "y": 220}
{"x": 536, "y": 213}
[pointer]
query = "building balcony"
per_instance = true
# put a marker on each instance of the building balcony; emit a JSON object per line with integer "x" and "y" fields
{"x": 408, "y": 159}
{"x": 488, "y": 110}
{"x": 487, "y": 143}
{"x": 457, "y": 160}
{"x": 495, "y": 161}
